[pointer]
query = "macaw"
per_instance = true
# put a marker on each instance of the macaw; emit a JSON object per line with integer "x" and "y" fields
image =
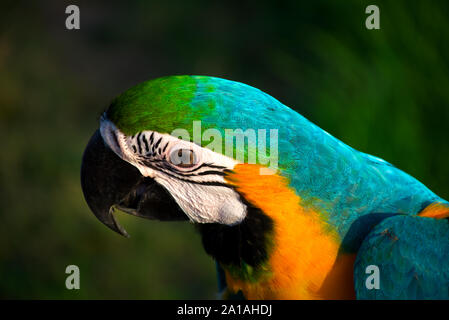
{"x": 320, "y": 225}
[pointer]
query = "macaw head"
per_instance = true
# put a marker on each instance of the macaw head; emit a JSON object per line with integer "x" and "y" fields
{"x": 162, "y": 150}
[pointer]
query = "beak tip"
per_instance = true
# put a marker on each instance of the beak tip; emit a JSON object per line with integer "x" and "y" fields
{"x": 125, "y": 234}
{"x": 120, "y": 231}
{"x": 114, "y": 225}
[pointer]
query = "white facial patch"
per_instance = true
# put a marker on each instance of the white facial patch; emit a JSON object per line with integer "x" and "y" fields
{"x": 193, "y": 175}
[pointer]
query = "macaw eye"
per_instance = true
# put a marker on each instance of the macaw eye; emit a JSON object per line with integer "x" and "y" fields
{"x": 183, "y": 158}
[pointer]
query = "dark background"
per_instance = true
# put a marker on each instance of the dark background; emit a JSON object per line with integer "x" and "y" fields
{"x": 384, "y": 92}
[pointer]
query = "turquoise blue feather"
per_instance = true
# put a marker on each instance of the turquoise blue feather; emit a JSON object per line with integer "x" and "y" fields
{"x": 412, "y": 254}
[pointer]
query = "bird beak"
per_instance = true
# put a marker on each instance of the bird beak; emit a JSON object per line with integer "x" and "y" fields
{"x": 110, "y": 183}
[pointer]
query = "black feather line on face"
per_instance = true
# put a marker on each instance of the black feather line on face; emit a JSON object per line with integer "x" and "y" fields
{"x": 147, "y": 149}
{"x": 138, "y": 142}
{"x": 165, "y": 147}
{"x": 157, "y": 143}
{"x": 205, "y": 164}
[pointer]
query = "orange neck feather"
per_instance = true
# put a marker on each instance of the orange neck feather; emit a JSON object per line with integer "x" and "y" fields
{"x": 436, "y": 210}
{"x": 304, "y": 261}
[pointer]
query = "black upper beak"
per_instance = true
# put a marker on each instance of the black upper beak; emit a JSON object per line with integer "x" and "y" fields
{"x": 109, "y": 182}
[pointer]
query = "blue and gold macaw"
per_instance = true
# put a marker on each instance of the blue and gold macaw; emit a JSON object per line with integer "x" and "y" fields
{"x": 329, "y": 222}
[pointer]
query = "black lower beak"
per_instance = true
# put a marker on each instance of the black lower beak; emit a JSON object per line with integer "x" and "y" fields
{"x": 108, "y": 182}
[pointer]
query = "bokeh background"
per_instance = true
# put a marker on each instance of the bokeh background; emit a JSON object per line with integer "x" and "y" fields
{"x": 384, "y": 92}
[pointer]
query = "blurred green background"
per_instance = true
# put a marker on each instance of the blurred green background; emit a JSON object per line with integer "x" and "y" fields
{"x": 384, "y": 92}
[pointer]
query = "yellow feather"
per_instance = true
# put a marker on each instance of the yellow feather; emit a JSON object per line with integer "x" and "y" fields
{"x": 304, "y": 263}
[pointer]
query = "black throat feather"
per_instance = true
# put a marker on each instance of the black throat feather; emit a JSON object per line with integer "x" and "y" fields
{"x": 245, "y": 244}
